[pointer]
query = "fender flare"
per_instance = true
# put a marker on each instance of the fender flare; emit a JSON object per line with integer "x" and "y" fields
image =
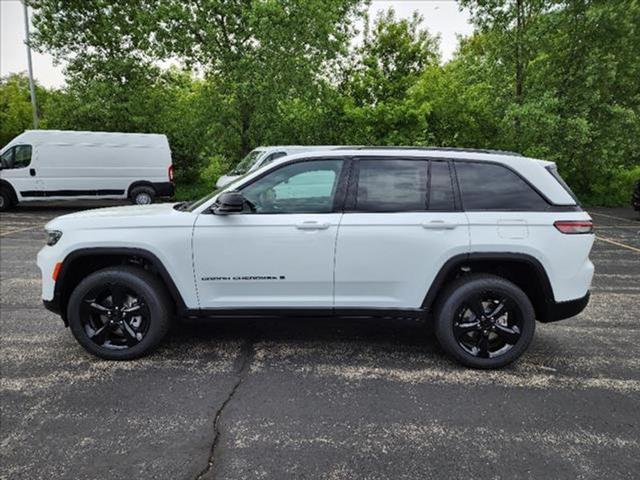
{"x": 457, "y": 261}
{"x": 75, "y": 255}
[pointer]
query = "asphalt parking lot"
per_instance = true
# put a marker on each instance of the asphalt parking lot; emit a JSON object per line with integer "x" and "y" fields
{"x": 320, "y": 398}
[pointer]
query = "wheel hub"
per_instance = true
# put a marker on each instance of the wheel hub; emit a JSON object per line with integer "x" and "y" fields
{"x": 115, "y": 318}
{"x": 487, "y": 324}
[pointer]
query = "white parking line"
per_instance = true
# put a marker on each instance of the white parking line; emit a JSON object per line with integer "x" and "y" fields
{"x": 18, "y": 230}
{"x": 619, "y": 244}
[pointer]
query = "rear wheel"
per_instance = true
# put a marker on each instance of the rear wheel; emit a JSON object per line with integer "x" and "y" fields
{"x": 484, "y": 321}
{"x": 143, "y": 195}
{"x": 119, "y": 313}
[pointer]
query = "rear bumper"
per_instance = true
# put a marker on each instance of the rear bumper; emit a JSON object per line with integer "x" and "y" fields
{"x": 562, "y": 310}
{"x": 164, "y": 189}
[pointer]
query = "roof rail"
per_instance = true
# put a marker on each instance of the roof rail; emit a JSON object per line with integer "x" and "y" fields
{"x": 437, "y": 149}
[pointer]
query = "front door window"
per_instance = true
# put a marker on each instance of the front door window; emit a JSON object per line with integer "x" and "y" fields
{"x": 302, "y": 187}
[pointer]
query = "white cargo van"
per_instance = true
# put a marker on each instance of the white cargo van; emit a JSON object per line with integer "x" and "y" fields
{"x": 55, "y": 165}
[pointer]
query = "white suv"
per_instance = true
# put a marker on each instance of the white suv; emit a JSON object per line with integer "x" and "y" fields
{"x": 480, "y": 243}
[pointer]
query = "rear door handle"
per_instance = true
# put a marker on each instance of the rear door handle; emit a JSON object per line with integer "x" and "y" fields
{"x": 312, "y": 225}
{"x": 32, "y": 172}
{"x": 439, "y": 225}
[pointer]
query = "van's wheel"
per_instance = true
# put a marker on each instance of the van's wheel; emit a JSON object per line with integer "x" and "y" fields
{"x": 6, "y": 200}
{"x": 119, "y": 313}
{"x": 484, "y": 321}
{"x": 143, "y": 195}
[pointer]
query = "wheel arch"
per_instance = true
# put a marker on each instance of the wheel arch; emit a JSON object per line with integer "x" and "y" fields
{"x": 82, "y": 262}
{"x": 523, "y": 270}
{"x": 140, "y": 183}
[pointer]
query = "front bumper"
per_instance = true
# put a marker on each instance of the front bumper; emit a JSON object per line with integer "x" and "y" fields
{"x": 562, "y": 310}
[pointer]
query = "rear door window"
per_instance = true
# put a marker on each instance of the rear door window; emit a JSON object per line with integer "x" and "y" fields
{"x": 487, "y": 186}
{"x": 391, "y": 185}
{"x": 440, "y": 187}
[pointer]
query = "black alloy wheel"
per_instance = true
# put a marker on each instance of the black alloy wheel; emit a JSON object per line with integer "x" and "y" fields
{"x": 120, "y": 313}
{"x": 487, "y": 325}
{"x": 484, "y": 321}
{"x": 114, "y": 317}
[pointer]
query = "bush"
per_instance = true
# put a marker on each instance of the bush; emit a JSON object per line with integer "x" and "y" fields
{"x": 215, "y": 167}
{"x": 188, "y": 188}
{"x": 614, "y": 188}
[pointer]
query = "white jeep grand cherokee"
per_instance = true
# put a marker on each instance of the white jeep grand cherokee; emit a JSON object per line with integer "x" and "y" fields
{"x": 481, "y": 243}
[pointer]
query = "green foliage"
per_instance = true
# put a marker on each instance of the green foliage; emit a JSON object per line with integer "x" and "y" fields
{"x": 15, "y": 105}
{"x": 216, "y": 166}
{"x": 553, "y": 79}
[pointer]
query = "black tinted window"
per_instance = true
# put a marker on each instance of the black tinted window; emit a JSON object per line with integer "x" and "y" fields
{"x": 441, "y": 191}
{"x": 486, "y": 186}
{"x": 392, "y": 185}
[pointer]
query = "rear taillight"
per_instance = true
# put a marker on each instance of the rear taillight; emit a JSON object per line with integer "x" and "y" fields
{"x": 574, "y": 226}
{"x": 171, "y": 173}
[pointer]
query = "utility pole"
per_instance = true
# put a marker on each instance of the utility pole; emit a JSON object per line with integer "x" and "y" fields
{"x": 32, "y": 87}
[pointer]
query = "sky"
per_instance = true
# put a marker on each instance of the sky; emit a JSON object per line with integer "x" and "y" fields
{"x": 442, "y": 17}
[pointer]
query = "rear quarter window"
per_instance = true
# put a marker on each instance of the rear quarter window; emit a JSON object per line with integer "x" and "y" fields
{"x": 487, "y": 186}
{"x": 553, "y": 170}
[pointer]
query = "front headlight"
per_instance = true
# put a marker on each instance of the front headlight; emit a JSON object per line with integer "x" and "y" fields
{"x": 53, "y": 236}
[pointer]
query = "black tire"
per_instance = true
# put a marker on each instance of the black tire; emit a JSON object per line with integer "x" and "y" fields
{"x": 143, "y": 290}
{"x": 142, "y": 195}
{"x": 6, "y": 200}
{"x": 470, "y": 338}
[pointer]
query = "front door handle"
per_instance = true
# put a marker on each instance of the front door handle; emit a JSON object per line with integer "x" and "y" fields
{"x": 32, "y": 172}
{"x": 312, "y": 225}
{"x": 439, "y": 225}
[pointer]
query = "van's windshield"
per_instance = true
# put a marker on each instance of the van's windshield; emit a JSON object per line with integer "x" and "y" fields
{"x": 247, "y": 162}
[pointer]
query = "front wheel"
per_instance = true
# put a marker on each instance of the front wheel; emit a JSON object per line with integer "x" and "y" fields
{"x": 119, "y": 313}
{"x": 484, "y": 321}
{"x": 6, "y": 200}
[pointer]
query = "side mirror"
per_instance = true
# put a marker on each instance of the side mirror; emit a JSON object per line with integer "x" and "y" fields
{"x": 229, "y": 202}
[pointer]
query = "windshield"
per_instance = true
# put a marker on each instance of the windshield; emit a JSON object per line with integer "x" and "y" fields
{"x": 247, "y": 162}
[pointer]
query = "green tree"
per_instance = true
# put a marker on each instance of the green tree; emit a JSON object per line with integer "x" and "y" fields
{"x": 378, "y": 76}
{"x": 254, "y": 54}
{"x": 15, "y": 105}
{"x": 563, "y": 75}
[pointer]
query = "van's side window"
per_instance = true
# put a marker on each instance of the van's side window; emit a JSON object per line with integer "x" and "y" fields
{"x": 441, "y": 188}
{"x": 487, "y": 186}
{"x": 392, "y": 185}
{"x": 16, "y": 157}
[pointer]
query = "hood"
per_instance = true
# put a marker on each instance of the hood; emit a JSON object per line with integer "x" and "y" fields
{"x": 121, "y": 217}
